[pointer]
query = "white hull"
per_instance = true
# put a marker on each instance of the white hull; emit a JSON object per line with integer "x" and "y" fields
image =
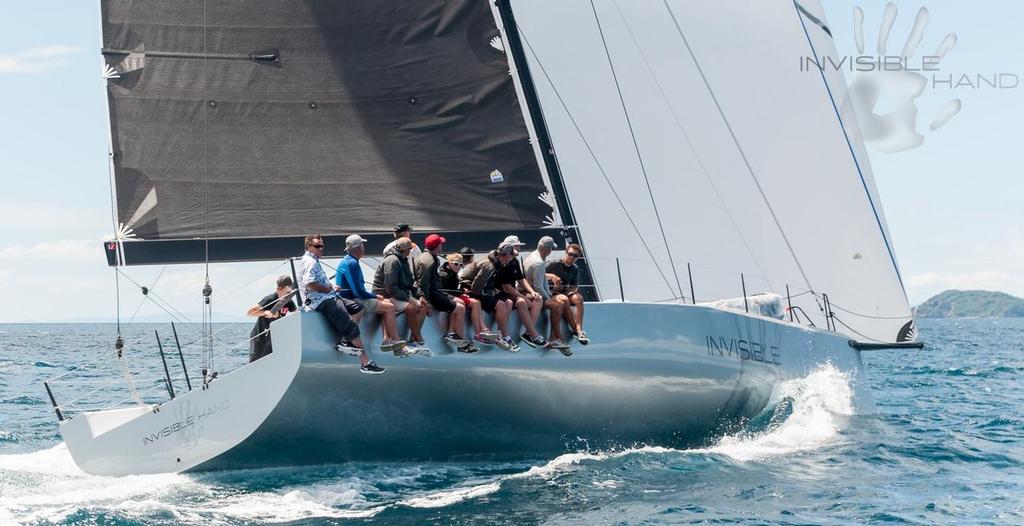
{"x": 649, "y": 376}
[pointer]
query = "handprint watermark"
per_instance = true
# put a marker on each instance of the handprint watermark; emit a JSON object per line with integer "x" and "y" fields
{"x": 899, "y": 80}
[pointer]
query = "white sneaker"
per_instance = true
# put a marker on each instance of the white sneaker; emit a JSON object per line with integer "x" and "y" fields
{"x": 409, "y": 350}
{"x": 454, "y": 340}
{"x": 349, "y": 349}
{"x": 392, "y": 345}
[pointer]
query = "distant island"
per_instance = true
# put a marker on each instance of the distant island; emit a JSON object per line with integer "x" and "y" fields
{"x": 972, "y": 304}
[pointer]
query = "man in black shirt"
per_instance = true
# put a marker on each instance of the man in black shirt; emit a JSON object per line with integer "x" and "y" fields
{"x": 273, "y": 306}
{"x": 564, "y": 277}
{"x": 509, "y": 280}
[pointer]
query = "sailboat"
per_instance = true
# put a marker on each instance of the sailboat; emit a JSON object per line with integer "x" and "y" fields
{"x": 678, "y": 142}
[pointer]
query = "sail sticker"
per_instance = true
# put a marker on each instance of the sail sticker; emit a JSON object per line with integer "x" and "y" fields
{"x": 496, "y": 43}
{"x": 110, "y": 73}
{"x": 554, "y": 219}
{"x": 496, "y": 177}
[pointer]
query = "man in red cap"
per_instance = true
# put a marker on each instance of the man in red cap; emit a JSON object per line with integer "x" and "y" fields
{"x": 427, "y": 266}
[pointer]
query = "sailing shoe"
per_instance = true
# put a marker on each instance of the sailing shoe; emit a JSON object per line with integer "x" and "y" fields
{"x": 504, "y": 343}
{"x": 582, "y": 337}
{"x": 409, "y": 350}
{"x": 371, "y": 368}
{"x": 483, "y": 340}
{"x": 454, "y": 340}
{"x": 392, "y": 345}
{"x": 469, "y": 348}
{"x": 555, "y": 343}
{"x": 349, "y": 349}
{"x": 424, "y": 350}
{"x": 535, "y": 341}
{"x": 561, "y": 346}
{"x": 487, "y": 336}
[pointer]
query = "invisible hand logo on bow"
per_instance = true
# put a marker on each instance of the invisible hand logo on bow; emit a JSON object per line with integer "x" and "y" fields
{"x": 897, "y": 82}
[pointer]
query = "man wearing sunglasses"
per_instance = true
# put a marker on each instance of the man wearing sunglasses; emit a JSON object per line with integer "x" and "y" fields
{"x": 564, "y": 276}
{"x": 322, "y": 296}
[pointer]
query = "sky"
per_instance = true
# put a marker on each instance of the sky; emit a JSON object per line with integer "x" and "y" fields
{"x": 953, "y": 204}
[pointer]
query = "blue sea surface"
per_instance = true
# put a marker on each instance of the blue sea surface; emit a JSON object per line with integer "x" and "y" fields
{"x": 945, "y": 446}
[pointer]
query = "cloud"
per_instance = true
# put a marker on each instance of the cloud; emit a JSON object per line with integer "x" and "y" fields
{"x": 21, "y": 217}
{"x": 37, "y": 59}
{"x": 66, "y": 250}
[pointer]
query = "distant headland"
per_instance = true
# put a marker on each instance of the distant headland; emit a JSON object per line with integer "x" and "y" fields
{"x": 972, "y": 304}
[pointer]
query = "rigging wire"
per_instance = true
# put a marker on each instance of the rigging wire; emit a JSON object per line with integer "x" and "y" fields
{"x": 593, "y": 156}
{"x": 636, "y": 146}
{"x": 689, "y": 143}
{"x": 736, "y": 141}
{"x": 207, "y": 289}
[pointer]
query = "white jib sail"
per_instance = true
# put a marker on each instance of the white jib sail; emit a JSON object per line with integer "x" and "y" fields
{"x": 688, "y": 132}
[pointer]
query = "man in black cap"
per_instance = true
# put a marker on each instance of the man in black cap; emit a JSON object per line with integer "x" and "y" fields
{"x": 273, "y": 306}
{"x": 404, "y": 230}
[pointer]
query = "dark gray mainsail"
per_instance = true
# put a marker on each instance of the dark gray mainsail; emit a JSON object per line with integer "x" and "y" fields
{"x": 275, "y": 118}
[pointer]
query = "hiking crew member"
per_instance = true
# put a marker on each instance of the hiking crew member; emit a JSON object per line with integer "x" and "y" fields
{"x": 534, "y": 269}
{"x": 349, "y": 279}
{"x": 394, "y": 280}
{"x": 481, "y": 277}
{"x": 323, "y": 297}
{"x": 404, "y": 230}
{"x": 449, "y": 273}
{"x": 564, "y": 276}
{"x": 509, "y": 279}
{"x": 430, "y": 287}
{"x": 273, "y": 306}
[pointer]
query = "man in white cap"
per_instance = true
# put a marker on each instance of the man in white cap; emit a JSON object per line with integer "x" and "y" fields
{"x": 509, "y": 279}
{"x": 535, "y": 268}
{"x": 352, "y": 285}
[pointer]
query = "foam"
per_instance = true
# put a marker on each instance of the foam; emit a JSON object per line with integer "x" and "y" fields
{"x": 820, "y": 403}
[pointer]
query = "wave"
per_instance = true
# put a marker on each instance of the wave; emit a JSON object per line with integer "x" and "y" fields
{"x": 46, "y": 486}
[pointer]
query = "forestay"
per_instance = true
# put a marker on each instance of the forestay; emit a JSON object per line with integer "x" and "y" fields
{"x": 686, "y": 131}
{"x": 280, "y": 117}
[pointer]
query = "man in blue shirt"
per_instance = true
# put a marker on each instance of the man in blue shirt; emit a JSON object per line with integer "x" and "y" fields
{"x": 351, "y": 285}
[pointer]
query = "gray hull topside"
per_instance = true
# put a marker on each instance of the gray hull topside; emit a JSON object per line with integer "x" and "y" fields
{"x": 654, "y": 374}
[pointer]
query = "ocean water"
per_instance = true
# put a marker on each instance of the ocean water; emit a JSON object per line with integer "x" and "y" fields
{"x": 945, "y": 446}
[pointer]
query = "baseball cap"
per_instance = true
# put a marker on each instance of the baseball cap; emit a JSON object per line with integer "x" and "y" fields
{"x": 403, "y": 243}
{"x": 454, "y": 258}
{"x": 433, "y": 240}
{"x": 402, "y": 227}
{"x": 354, "y": 241}
{"x": 514, "y": 241}
{"x": 506, "y": 248}
{"x": 547, "y": 242}
{"x": 466, "y": 251}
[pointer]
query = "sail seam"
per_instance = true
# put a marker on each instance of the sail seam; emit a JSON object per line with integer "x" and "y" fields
{"x": 739, "y": 148}
{"x": 596, "y": 161}
{"x": 636, "y": 146}
{"x": 856, "y": 162}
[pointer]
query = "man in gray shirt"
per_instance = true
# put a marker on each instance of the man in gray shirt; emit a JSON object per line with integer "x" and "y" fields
{"x": 535, "y": 271}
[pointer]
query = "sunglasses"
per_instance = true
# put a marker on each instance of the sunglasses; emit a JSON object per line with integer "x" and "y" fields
{"x": 316, "y": 246}
{"x": 572, "y": 255}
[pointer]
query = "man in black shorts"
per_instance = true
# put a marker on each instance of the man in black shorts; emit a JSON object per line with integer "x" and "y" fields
{"x": 273, "y": 306}
{"x": 429, "y": 279}
{"x": 509, "y": 279}
{"x": 480, "y": 276}
{"x": 564, "y": 277}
